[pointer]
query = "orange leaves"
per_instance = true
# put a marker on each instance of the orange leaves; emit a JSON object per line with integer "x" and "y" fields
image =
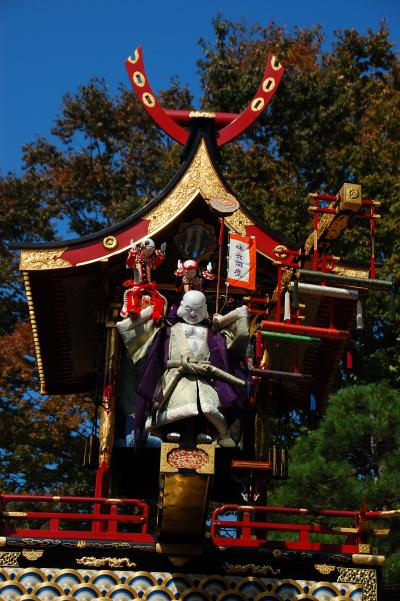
{"x": 40, "y": 438}
{"x": 17, "y": 362}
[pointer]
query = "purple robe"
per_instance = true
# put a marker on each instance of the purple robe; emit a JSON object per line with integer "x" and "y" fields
{"x": 149, "y": 387}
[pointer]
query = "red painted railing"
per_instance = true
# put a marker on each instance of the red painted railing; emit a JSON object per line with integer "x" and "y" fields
{"x": 249, "y": 526}
{"x": 102, "y": 520}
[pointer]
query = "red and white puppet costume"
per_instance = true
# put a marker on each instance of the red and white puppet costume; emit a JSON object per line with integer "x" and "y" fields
{"x": 192, "y": 277}
{"x": 141, "y": 291}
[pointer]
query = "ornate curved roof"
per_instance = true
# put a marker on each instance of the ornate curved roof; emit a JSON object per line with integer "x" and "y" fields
{"x": 65, "y": 280}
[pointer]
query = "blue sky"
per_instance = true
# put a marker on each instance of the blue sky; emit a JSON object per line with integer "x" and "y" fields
{"x": 49, "y": 47}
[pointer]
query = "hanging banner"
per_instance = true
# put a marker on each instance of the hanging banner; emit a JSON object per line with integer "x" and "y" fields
{"x": 242, "y": 261}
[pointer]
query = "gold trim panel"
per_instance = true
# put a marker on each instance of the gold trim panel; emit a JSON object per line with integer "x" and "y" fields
{"x": 38, "y": 260}
{"x": 366, "y": 577}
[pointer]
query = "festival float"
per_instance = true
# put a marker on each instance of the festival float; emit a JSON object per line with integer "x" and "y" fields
{"x": 189, "y": 323}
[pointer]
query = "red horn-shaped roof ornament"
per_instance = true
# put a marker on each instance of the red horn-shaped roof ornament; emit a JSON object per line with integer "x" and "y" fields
{"x": 229, "y": 125}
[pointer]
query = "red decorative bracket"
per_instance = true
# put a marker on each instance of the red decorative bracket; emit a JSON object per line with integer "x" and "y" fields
{"x": 169, "y": 120}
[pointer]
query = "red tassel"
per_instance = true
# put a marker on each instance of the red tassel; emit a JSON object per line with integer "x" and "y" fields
{"x": 259, "y": 346}
{"x": 349, "y": 360}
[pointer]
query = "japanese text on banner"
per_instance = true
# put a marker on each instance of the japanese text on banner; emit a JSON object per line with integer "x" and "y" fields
{"x": 242, "y": 261}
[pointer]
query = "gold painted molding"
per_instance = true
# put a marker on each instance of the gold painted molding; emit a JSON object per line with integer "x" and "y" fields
{"x": 38, "y": 260}
{"x": 36, "y": 342}
{"x": 113, "y": 562}
{"x": 252, "y": 568}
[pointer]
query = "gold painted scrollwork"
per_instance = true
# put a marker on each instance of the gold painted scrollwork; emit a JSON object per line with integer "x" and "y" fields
{"x": 200, "y": 178}
{"x": 113, "y": 562}
{"x": 238, "y": 222}
{"x": 252, "y": 568}
{"x": 40, "y": 259}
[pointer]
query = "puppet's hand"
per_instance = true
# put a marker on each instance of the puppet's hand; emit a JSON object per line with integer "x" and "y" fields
{"x": 242, "y": 311}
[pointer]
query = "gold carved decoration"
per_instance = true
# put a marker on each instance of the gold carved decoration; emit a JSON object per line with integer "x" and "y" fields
{"x": 113, "y": 562}
{"x": 44, "y": 542}
{"x": 40, "y": 259}
{"x": 364, "y": 548}
{"x": 81, "y": 544}
{"x": 201, "y": 459}
{"x": 107, "y": 412}
{"x": 9, "y": 558}
{"x": 32, "y": 554}
{"x": 366, "y": 577}
{"x": 351, "y": 272}
{"x": 110, "y": 242}
{"x": 350, "y": 197}
{"x": 329, "y": 224}
{"x": 336, "y": 227}
{"x": 200, "y": 178}
{"x": 323, "y": 568}
{"x": 280, "y": 251}
{"x": 187, "y": 458}
{"x": 209, "y": 467}
{"x": 238, "y": 222}
{"x": 259, "y": 570}
{"x": 166, "y": 449}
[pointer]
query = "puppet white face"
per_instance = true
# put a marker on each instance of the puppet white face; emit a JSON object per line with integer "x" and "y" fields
{"x": 148, "y": 247}
{"x": 190, "y": 268}
{"x": 193, "y": 307}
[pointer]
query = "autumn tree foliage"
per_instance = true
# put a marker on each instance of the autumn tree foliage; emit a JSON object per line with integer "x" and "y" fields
{"x": 40, "y": 438}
